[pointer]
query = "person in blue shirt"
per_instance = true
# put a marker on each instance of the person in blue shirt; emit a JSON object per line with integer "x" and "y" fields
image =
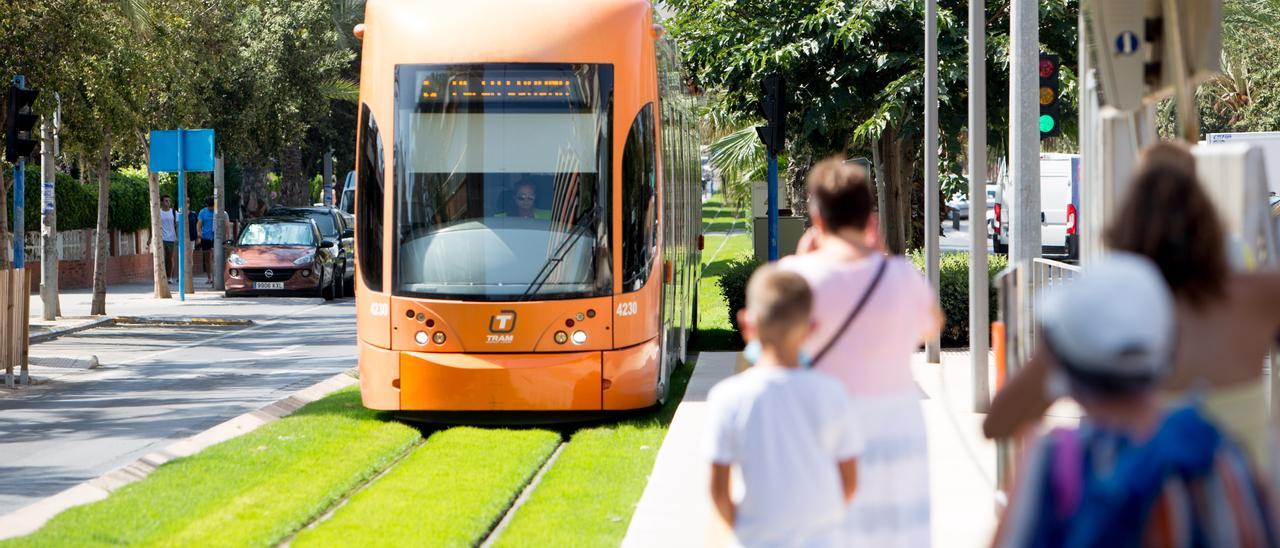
{"x": 204, "y": 227}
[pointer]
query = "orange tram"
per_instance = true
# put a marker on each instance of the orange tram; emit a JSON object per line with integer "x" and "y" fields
{"x": 527, "y": 207}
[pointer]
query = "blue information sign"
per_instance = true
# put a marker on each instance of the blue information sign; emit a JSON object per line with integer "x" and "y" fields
{"x": 194, "y": 145}
{"x": 182, "y": 150}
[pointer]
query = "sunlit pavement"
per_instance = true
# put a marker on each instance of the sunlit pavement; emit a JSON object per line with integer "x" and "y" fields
{"x": 675, "y": 509}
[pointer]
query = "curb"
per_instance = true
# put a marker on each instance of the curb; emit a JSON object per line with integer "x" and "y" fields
{"x": 151, "y": 320}
{"x": 32, "y": 517}
{"x": 55, "y": 333}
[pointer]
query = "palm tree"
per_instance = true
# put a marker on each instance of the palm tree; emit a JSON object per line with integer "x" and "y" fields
{"x": 138, "y": 12}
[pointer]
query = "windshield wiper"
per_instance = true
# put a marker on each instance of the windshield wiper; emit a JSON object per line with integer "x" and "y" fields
{"x": 576, "y": 231}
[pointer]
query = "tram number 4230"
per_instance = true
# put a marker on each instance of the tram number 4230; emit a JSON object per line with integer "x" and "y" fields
{"x": 627, "y": 309}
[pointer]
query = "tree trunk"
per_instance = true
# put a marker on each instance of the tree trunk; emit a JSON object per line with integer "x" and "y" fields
{"x": 895, "y": 217}
{"x": 49, "y": 258}
{"x": 798, "y": 166}
{"x": 5, "y": 257}
{"x": 253, "y": 189}
{"x": 160, "y": 277}
{"x": 84, "y": 169}
{"x": 99, "y": 304}
{"x": 294, "y": 187}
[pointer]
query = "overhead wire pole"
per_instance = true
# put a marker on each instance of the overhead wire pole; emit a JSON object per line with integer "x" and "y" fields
{"x": 931, "y": 192}
{"x": 979, "y": 315}
{"x": 1024, "y": 129}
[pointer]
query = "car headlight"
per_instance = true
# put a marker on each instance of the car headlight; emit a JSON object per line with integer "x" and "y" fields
{"x": 306, "y": 259}
{"x": 236, "y": 259}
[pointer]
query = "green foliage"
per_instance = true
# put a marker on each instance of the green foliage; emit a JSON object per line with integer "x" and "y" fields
{"x": 77, "y": 204}
{"x": 953, "y": 291}
{"x": 733, "y": 286}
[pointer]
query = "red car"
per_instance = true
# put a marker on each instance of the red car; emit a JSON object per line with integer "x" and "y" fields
{"x": 282, "y": 256}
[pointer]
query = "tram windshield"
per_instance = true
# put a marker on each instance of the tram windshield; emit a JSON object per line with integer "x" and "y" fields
{"x": 501, "y": 177}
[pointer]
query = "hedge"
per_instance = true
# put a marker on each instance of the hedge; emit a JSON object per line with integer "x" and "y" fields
{"x": 953, "y": 281}
{"x": 953, "y": 291}
{"x": 129, "y": 208}
{"x": 733, "y": 286}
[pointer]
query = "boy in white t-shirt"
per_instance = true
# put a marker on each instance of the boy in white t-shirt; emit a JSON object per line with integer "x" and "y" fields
{"x": 788, "y": 430}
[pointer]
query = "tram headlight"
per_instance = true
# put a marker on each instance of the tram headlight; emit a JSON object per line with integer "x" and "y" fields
{"x": 562, "y": 337}
{"x": 420, "y": 337}
{"x": 438, "y": 337}
{"x": 579, "y": 337}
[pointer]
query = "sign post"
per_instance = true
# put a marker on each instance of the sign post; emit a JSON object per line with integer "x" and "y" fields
{"x": 19, "y": 200}
{"x": 182, "y": 150}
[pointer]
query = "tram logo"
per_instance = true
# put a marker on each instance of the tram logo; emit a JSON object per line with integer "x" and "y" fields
{"x": 503, "y": 322}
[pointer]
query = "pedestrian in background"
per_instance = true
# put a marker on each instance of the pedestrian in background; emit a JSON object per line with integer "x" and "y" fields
{"x": 1132, "y": 474}
{"x": 871, "y": 313}
{"x": 168, "y": 234}
{"x": 204, "y": 227}
{"x": 1226, "y": 321}
{"x": 788, "y": 430}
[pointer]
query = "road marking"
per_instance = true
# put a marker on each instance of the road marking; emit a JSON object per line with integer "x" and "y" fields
{"x": 279, "y": 351}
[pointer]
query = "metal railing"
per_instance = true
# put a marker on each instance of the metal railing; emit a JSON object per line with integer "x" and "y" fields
{"x": 1018, "y": 292}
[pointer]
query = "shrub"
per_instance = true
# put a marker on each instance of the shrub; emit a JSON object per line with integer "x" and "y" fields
{"x": 129, "y": 208}
{"x": 953, "y": 291}
{"x": 733, "y": 286}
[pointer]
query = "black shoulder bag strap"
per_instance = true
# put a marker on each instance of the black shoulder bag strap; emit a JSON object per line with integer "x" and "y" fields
{"x": 857, "y": 309}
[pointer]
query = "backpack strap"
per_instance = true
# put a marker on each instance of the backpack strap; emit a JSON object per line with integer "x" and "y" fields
{"x": 1066, "y": 472}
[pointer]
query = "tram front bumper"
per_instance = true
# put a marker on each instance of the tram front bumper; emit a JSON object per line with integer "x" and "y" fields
{"x": 571, "y": 381}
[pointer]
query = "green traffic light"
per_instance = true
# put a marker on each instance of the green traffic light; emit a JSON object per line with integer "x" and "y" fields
{"x": 1046, "y": 123}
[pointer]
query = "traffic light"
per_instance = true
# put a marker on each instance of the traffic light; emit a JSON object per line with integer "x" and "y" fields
{"x": 20, "y": 120}
{"x": 1050, "y": 111}
{"x": 773, "y": 106}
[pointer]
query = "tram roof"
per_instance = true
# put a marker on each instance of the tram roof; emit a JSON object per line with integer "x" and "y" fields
{"x": 476, "y": 31}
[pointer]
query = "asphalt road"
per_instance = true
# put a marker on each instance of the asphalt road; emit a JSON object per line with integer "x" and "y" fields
{"x": 956, "y": 240}
{"x": 158, "y": 384}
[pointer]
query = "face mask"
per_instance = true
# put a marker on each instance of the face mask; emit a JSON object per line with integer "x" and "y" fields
{"x": 752, "y": 354}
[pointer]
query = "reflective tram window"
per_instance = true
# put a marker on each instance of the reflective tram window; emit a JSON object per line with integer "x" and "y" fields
{"x": 369, "y": 206}
{"x": 639, "y": 204}
{"x": 501, "y": 181}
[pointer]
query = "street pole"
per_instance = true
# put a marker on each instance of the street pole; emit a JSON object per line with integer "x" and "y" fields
{"x": 931, "y": 192}
{"x": 19, "y": 201}
{"x": 1024, "y": 130}
{"x": 979, "y": 286}
{"x": 181, "y": 225}
{"x": 219, "y": 225}
{"x": 773, "y": 206}
{"x": 48, "y": 226}
{"x": 326, "y": 195}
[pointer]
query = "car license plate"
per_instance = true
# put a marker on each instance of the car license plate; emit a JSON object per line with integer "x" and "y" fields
{"x": 268, "y": 285}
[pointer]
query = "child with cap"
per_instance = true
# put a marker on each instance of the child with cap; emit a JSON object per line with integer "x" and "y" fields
{"x": 1132, "y": 474}
{"x": 788, "y": 430}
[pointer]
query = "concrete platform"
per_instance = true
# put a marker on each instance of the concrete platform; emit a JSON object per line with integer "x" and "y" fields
{"x": 675, "y": 510}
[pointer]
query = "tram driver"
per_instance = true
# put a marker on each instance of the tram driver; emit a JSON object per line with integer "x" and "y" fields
{"x": 523, "y": 201}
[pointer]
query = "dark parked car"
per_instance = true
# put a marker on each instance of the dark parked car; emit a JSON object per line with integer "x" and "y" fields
{"x": 282, "y": 255}
{"x": 337, "y": 227}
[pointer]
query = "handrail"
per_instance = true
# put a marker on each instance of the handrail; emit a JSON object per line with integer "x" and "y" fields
{"x": 1019, "y": 288}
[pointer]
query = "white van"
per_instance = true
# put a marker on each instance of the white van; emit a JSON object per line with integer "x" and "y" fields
{"x": 1059, "y": 207}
